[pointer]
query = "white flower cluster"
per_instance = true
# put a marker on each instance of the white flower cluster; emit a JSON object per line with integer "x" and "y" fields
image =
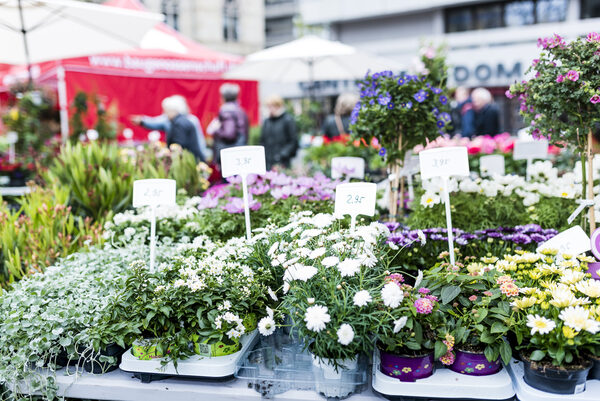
{"x": 544, "y": 182}
{"x": 232, "y": 319}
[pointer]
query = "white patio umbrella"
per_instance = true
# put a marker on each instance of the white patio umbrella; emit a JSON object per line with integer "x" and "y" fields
{"x": 33, "y": 31}
{"x": 310, "y": 59}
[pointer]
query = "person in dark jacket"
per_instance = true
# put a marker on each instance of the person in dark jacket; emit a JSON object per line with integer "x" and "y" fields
{"x": 278, "y": 134}
{"x": 230, "y": 127}
{"x": 463, "y": 115}
{"x": 180, "y": 129}
{"x": 487, "y": 114}
{"x": 338, "y": 123}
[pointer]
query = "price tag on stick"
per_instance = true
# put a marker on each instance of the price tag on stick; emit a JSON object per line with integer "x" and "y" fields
{"x": 351, "y": 167}
{"x": 355, "y": 198}
{"x": 243, "y": 160}
{"x": 491, "y": 165}
{"x": 153, "y": 193}
{"x": 443, "y": 163}
{"x": 530, "y": 150}
{"x": 572, "y": 241}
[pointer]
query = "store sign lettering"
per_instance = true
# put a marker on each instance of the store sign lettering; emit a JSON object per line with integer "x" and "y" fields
{"x": 484, "y": 72}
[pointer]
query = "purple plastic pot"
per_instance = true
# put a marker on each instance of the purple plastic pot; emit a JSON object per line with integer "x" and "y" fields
{"x": 474, "y": 364}
{"x": 594, "y": 269}
{"x": 406, "y": 368}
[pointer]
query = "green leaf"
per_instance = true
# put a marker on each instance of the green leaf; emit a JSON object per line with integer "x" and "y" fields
{"x": 498, "y": 327}
{"x": 489, "y": 353}
{"x": 440, "y": 349}
{"x": 449, "y": 293}
{"x": 537, "y": 355}
{"x": 505, "y": 352}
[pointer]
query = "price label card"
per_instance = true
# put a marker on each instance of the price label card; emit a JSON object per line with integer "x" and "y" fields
{"x": 595, "y": 243}
{"x": 355, "y": 198}
{"x": 12, "y": 137}
{"x": 243, "y": 160}
{"x": 492, "y": 164}
{"x": 536, "y": 149}
{"x": 444, "y": 162}
{"x": 154, "y": 192}
{"x": 572, "y": 241}
{"x": 351, "y": 167}
{"x": 411, "y": 164}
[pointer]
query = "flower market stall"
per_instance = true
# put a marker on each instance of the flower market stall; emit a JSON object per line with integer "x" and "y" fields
{"x": 478, "y": 284}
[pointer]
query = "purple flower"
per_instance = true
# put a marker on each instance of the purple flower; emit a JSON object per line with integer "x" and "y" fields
{"x": 595, "y": 99}
{"x": 508, "y": 94}
{"x": 443, "y": 99}
{"x": 382, "y": 151}
{"x": 390, "y": 105}
{"x": 420, "y": 96}
{"x": 354, "y": 114}
{"x": 572, "y": 75}
{"x": 281, "y": 192}
{"x": 298, "y": 191}
{"x": 440, "y": 123}
{"x": 259, "y": 190}
{"x": 401, "y": 81}
{"x": 384, "y": 99}
{"x": 560, "y": 78}
{"x": 437, "y": 91}
{"x": 208, "y": 202}
{"x": 537, "y": 238}
{"x": 593, "y": 37}
{"x": 236, "y": 205}
{"x": 424, "y": 306}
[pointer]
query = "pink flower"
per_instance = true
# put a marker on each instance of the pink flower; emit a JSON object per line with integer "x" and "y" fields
{"x": 508, "y": 94}
{"x": 424, "y": 290}
{"x": 593, "y": 37}
{"x": 560, "y": 78}
{"x": 448, "y": 358}
{"x": 473, "y": 298}
{"x": 487, "y": 293}
{"x": 572, "y": 75}
{"x": 395, "y": 278}
{"x": 424, "y": 306}
{"x": 595, "y": 99}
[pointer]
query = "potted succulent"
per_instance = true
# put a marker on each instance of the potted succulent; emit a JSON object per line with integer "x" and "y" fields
{"x": 556, "y": 318}
{"x": 478, "y": 317}
{"x": 407, "y": 333}
{"x": 330, "y": 280}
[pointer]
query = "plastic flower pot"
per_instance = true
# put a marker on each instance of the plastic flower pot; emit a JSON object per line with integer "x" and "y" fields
{"x": 97, "y": 366}
{"x": 406, "y": 368}
{"x": 555, "y": 380}
{"x": 332, "y": 382}
{"x": 474, "y": 364}
{"x": 145, "y": 351}
{"x": 594, "y": 269}
{"x": 216, "y": 348}
{"x": 595, "y": 369}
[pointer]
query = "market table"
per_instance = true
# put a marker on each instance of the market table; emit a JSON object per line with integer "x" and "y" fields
{"x": 122, "y": 386}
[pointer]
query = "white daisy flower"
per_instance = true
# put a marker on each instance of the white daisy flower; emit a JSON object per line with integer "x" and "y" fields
{"x": 429, "y": 199}
{"x": 540, "y": 324}
{"x": 392, "y": 295}
{"x": 345, "y": 334}
{"x": 330, "y": 261}
{"x": 591, "y": 288}
{"x": 399, "y": 324}
{"x": 316, "y": 318}
{"x": 349, "y": 267}
{"x": 578, "y": 319}
{"x": 362, "y": 298}
{"x": 317, "y": 253}
{"x": 266, "y": 326}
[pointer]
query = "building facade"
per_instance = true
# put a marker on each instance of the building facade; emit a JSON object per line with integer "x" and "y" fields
{"x": 233, "y": 26}
{"x": 490, "y": 43}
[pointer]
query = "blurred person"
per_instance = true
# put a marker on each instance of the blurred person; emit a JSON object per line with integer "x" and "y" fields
{"x": 163, "y": 123}
{"x": 178, "y": 126}
{"x": 338, "y": 123}
{"x": 463, "y": 115}
{"x": 230, "y": 127}
{"x": 278, "y": 134}
{"x": 487, "y": 115}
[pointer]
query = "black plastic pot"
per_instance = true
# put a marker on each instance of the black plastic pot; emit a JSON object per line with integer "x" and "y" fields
{"x": 556, "y": 381}
{"x": 595, "y": 370}
{"x": 98, "y": 367}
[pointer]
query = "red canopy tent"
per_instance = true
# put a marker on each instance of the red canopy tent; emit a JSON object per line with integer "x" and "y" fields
{"x": 136, "y": 81}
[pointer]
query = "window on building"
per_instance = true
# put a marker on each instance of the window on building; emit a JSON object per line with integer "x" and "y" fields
{"x": 230, "y": 21}
{"x": 590, "y": 8}
{"x": 170, "y": 9}
{"x": 506, "y": 13}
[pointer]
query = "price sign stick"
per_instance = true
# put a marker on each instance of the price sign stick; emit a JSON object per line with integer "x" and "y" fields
{"x": 246, "y": 206}
{"x": 152, "y": 237}
{"x": 411, "y": 191}
{"x": 527, "y": 173}
{"x": 448, "y": 220}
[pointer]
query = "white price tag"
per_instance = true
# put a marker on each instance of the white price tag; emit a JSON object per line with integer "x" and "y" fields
{"x": 573, "y": 241}
{"x": 243, "y": 160}
{"x": 529, "y": 150}
{"x": 411, "y": 164}
{"x": 12, "y": 137}
{"x": 492, "y": 164}
{"x": 355, "y": 198}
{"x": 154, "y": 192}
{"x": 351, "y": 167}
{"x": 444, "y": 162}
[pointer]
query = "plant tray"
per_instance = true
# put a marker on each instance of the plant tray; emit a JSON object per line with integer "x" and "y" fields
{"x": 444, "y": 384}
{"x": 527, "y": 393}
{"x": 275, "y": 368}
{"x": 195, "y": 367}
